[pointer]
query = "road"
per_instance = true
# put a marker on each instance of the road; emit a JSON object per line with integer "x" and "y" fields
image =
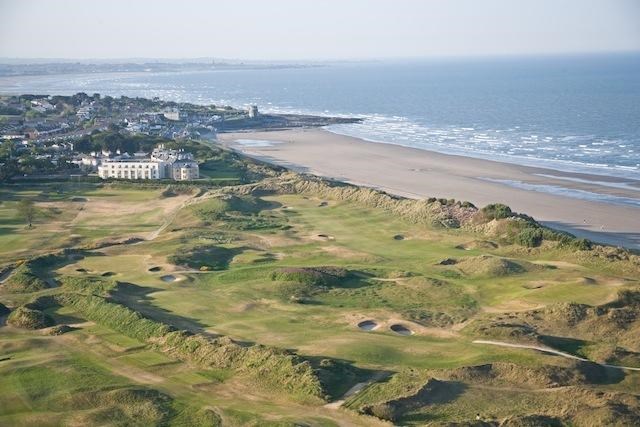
{"x": 551, "y": 351}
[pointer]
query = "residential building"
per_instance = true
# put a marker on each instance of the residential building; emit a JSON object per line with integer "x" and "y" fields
{"x": 85, "y": 112}
{"x": 173, "y": 115}
{"x": 185, "y": 170}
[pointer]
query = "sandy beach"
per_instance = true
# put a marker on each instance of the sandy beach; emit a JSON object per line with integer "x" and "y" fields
{"x": 601, "y": 208}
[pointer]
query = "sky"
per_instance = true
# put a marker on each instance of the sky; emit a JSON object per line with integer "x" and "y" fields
{"x": 314, "y": 30}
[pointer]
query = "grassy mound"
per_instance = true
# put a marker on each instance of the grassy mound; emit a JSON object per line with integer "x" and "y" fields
{"x": 122, "y": 406}
{"x": 88, "y": 285}
{"x": 205, "y": 257}
{"x": 609, "y": 333}
{"x": 240, "y": 212}
{"x": 316, "y": 276}
{"x": 27, "y": 318}
{"x": 299, "y": 284}
{"x": 413, "y": 394}
{"x": 435, "y": 212}
{"x": 535, "y": 377}
{"x": 24, "y": 280}
{"x": 406, "y": 398}
{"x": 489, "y": 266}
{"x": 270, "y": 367}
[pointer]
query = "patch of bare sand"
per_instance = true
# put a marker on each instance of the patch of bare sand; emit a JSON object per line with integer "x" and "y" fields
{"x": 615, "y": 281}
{"x": 512, "y": 306}
{"x": 272, "y": 241}
{"x": 248, "y": 306}
{"x": 111, "y": 211}
{"x": 346, "y": 253}
{"x": 559, "y": 264}
{"x": 135, "y": 374}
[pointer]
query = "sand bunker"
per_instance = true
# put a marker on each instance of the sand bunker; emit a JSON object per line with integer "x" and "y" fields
{"x": 324, "y": 237}
{"x": 168, "y": 278}
{"x": 477, "y": 244}
{"x": 401, "y": 329}
{"x": 155, "y": 269}
{"x": 367, "y": 325}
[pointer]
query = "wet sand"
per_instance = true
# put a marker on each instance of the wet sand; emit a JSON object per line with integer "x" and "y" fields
{"x": 418, "y": 173}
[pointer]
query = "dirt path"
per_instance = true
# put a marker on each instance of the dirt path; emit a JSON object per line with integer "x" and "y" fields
{"x": 551, "y": 351}
{"x": 172, "y": 216}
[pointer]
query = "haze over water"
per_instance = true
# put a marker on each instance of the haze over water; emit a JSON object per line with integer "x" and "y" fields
{"x": 577, "y": 113}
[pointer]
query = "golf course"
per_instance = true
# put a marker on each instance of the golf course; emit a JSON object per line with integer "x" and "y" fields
{"x": 264, "y": 297}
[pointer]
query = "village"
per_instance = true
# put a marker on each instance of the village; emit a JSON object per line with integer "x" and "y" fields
{"x": 48, "y": 135}
{"x": 55, "y": 136}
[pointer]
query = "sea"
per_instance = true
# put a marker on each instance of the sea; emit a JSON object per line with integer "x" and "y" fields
{"x": 577, "y": 113}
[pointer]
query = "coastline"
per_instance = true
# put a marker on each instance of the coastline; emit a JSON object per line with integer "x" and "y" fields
{"x": 555, "y": 198}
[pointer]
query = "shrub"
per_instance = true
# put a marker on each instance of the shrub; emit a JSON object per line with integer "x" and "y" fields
{"x": 315, "y": 276}
{"x": 530, "y": 237}
{"x": 114, "y": 316}
{"x": 582, "y": 244}
{"x": 59, "y": 330}
{"x": 497, "y": 211}
{"x": 210, "y": 257}
{"x": 24, "y": 280}
{"x": 89, "y": 285}
{"x": 384, "y": 411}
{"x": 28, "y": 318}
{"x": 467, "y": 204}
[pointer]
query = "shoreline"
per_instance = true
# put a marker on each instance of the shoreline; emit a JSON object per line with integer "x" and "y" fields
{"x": 417, "y": 173}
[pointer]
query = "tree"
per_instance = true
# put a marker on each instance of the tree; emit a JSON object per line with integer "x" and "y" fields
{"x": 27, "y": 210}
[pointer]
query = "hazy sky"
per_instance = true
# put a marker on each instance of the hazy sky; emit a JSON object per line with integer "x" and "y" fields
{"x": 320, "y": 29}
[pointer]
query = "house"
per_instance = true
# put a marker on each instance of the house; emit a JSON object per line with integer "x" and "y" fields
{"x": 42, "y": 105}
{"x": 173, "y": 115}
{"x": 85, "y": 112}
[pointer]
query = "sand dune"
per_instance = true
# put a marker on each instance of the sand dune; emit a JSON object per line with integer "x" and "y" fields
{"x": 418, "y": 173}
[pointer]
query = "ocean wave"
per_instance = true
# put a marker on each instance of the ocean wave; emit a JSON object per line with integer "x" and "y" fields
{"x": 508, "y": 145}
{"x": 568, "y": 192}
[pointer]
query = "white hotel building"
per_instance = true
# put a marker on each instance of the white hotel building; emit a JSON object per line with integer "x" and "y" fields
{"x": 163, "y": 164}
{"x": 132, "y": 169}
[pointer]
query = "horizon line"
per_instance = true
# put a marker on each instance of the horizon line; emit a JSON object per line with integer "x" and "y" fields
{"x": 318, "y": 60}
